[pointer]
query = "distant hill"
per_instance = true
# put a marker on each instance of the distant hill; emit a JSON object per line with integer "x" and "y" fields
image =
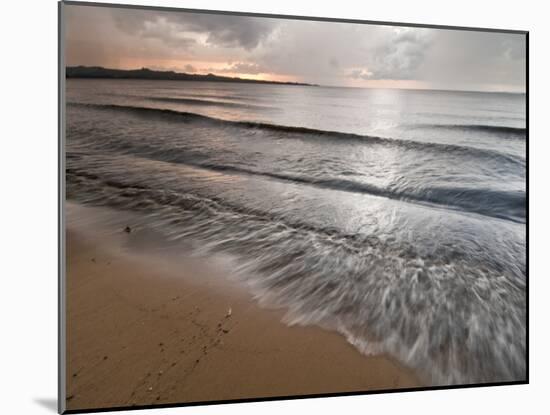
{"x": 144, "y": 73}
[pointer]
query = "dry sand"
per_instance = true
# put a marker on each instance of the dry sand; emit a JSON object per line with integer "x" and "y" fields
{"x": 141, "y": 334}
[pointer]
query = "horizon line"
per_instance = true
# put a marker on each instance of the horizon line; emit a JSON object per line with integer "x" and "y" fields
{"x": 299, "y": 83}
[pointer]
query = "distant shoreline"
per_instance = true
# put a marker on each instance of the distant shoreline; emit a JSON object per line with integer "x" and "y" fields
{"x": 95, "y": 72}
{"x": 99, "y": 72}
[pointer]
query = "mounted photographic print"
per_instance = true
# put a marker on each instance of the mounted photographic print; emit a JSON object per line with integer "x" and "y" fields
{"x": 264, "y": 207}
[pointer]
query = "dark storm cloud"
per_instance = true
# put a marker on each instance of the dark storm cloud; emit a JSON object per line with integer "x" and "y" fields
{"x": 230, "y": 31}
{"x": 397, "y": 58}
{"x": 400, "y": 57}
{"x": 224, "y": 31}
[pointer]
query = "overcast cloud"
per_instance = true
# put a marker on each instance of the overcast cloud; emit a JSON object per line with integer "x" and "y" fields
{"x": 318, "y": 52}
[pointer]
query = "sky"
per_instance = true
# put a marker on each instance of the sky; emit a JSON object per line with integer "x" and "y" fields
{"x": 325, "y": 53}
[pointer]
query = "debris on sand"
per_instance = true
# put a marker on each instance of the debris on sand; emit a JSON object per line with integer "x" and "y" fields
{"x": 228, "y": 313}
{"x": 127, "y": 229}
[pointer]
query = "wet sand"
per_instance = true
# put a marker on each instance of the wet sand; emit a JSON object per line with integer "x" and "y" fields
{"x": 140, "y": 333}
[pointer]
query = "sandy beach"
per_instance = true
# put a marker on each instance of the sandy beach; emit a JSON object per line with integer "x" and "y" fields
{"x": 140, "y": 333}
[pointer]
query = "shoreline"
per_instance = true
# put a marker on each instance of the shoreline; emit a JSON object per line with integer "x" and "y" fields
{"x": 142, "y": 334}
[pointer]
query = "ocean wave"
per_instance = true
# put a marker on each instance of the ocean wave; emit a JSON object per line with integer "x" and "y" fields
{"x": 203, "y": 102}
{"x": 501, "y": 130}
{"x": 91, "y": 188}
{"x": 508, "y": 205}
{"x": 305, "y": 132}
